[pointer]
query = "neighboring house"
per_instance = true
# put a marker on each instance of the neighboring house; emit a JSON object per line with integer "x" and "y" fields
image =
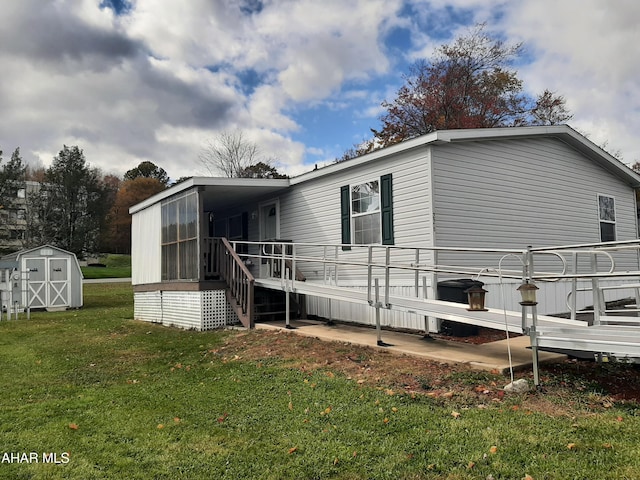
{"x": 504, "y": 188}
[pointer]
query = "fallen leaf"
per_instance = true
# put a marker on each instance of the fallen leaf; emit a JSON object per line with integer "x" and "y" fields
{"x": 394, "y": 409}
{"x": 619, "y": 419}
{"x": 330, "y": 374}
{"x": 291, "y": 406}
{"x": 327, "y": 410}
{"x": 528, "y": 477}
{"x": 385, "y": 421}
{"x": 607, "y": 445}
{"x": 389, "y": 392}
{"x": 571, "y": 446}
{"x": 335, "y": 461}
{"x": 355, "y": 454}
{"x": 160, "y": 426}
{"x": 73, "y": 426}
{"x": 176, "y": 419}
{"x": 470, "y": 465}
{"x": 493, "y": 449}
{"x": 455, "y": 414}
{"x": 448, "y": 395}
{"x": 292, "y": 450}
{"x": 223, "y": 417}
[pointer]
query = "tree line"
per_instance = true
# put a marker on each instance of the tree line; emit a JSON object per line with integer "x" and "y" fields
{"x": 74, "y": 206}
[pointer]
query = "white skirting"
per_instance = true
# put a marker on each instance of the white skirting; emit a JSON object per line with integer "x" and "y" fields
{"x": 202, "y": 310}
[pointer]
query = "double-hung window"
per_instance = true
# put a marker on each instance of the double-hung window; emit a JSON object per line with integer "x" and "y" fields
{"x": 607, "y": 217}
{"x": 367, "y": 212}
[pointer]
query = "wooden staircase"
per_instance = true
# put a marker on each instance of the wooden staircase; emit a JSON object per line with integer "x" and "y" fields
{"x": 240, "y": 281}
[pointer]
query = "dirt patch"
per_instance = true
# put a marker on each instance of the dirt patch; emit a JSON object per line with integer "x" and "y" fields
{"x": 567, "y": 386}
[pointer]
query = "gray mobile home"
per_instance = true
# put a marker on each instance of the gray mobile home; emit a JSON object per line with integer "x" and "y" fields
{"x": 503, "y": 188}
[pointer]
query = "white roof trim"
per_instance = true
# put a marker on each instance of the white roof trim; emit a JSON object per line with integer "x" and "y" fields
{"x": 209, "y": 182}
{"x": 562, "y": 132}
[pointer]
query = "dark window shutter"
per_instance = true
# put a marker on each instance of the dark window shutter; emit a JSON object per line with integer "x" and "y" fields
{"x": 345, "y": 215}
{"x": 386, "y": 209}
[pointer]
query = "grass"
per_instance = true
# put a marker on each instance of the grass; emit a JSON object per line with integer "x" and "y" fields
{"x": 115, "y": 266}
{"x": 134, "y": 400}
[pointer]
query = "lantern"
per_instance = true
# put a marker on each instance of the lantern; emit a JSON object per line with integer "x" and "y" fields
{"x": 476, "y": 298}
{"x": 528, "y": 292}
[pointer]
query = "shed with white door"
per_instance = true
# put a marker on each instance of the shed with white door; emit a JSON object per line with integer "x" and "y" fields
{"x": 45, "y": 277}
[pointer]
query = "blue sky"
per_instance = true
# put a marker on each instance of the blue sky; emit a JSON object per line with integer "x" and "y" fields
{"x": 157, "y": 80}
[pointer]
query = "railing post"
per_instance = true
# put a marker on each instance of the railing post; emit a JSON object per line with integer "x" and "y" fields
{"x": 369, "y": 273}
{"x": 416, "y": 273}
{"x": 387, "y": 268}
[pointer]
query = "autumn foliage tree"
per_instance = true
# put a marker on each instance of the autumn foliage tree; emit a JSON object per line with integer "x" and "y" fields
{"x": 468, "y": 84}
{"x": 130, "y": 193}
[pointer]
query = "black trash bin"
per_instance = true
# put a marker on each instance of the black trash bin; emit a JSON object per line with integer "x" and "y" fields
{"x": 456, "y": 291}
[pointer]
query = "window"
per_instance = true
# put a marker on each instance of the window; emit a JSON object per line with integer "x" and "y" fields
{"x": 180, "y": 237}
{"x": 607, "y": 216}
{"x": 367, "y": 213}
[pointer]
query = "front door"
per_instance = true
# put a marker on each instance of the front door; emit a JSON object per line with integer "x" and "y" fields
{"x": 269, "y": 221}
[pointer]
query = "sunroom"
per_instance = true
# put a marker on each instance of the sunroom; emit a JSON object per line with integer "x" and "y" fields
{"x": 177, "y": 247}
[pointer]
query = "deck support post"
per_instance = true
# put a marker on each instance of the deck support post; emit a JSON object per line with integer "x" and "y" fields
{"x": 377, "y": 307}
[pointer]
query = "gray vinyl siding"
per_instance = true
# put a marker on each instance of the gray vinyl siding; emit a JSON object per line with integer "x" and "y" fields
{"x": 514, "y": 193}
{"x": 310, "y": 211}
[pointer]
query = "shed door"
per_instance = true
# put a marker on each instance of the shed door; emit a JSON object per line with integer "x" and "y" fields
{"x": 37, "y": 282}
{"x": 58, "y": 291}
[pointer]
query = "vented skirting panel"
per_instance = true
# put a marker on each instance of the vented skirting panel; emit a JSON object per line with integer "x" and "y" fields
{"x": 203, "y": 310}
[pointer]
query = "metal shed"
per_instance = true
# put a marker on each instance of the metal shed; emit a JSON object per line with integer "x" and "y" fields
{"x": 44, "y": 277}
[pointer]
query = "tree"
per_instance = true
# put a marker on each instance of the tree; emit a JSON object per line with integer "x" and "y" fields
{"x": 12, "y": 202}
{"x": 468, "y": 84}
{"x": 70, "y": 206}
{"x": 260, "y": 170}
{"x": 12, "y": 179}
{"x": 550, "y": 109}
{"x": 147, "y": 169}
{"x": 232, "y": 155}
{"x": 130, "y": 193}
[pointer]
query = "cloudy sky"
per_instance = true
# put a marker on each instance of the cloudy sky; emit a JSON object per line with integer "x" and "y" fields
{"x": 136, "y": 80}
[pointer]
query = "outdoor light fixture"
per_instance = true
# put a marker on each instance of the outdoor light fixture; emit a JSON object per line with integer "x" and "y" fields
{"x": 476, "y": 299}
{"x": 528, "y": 292}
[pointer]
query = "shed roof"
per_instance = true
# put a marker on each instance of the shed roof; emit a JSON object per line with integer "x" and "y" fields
{"x": 15, "y": 255}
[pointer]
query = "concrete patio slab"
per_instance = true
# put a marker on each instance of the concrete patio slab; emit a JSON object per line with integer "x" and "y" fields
{"x": 493, "y": 356}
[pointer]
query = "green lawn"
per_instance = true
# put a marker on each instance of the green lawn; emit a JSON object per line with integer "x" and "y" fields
{"x": 115, "y": 266}
{"x": 133, "y": 400}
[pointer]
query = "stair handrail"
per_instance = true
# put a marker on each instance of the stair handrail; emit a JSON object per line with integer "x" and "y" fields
{"x": 239, "y": 279}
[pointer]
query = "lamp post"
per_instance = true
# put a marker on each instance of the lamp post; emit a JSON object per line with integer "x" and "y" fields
{"x": 528, "y": 291}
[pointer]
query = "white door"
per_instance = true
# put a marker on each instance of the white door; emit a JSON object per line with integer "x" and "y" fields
{"x": 58, "y": 291}
{"x": 37, "y": 284}
{"x": 48, "y": 283}
{"x": 269, "y": 221}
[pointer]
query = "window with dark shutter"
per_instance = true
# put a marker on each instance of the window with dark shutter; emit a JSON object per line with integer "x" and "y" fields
{"x": 366, "y": 212}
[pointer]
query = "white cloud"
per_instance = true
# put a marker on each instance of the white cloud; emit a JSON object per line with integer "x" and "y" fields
{"x": 586, "y": 51}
